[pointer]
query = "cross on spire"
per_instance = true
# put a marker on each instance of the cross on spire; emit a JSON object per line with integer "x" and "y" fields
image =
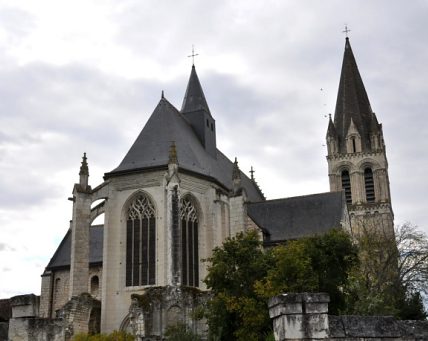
{"x": 346, "y": 31}
{"x": 193, "y": 55}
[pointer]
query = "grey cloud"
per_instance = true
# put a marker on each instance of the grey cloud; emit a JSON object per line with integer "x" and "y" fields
{"x": 6, "y": 247}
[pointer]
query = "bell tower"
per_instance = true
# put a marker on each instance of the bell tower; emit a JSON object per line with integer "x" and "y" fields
{"x": 356, "y": 157}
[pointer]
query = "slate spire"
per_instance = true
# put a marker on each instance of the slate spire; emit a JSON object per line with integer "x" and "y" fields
{"x": 352, "y": 102}
{"x": 194, "y": 99}
{"x": 196, "y": 111}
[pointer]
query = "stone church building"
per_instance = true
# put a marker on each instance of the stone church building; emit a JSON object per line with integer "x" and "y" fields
{"x": 175, "y": 196}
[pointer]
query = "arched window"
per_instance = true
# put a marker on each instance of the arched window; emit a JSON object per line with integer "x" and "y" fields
{"x": 95, "y": 285}
{"x": 189, "y": 243}
{"x": 369, "y": 185}
{"x": 140, "y": 242}
{"x": 57, "y": 287}
{"x": 354, "y": 146}
{"x": 346, "y": 185}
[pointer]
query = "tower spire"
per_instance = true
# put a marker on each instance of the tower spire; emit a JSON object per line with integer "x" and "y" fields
{"x": 352, "y": 102}
{"x": 194, "y": 99}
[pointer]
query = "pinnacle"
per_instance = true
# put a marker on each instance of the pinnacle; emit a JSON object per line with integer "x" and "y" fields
{"x": 84, "y": 169}
{"x": 236, "y": 174}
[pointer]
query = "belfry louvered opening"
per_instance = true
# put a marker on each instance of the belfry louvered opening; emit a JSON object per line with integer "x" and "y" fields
{"x": 346, "y": 185}
{"x": 140, "y": 242}
{"x": 189, "y": 243}
{"x": 369, "y": 185}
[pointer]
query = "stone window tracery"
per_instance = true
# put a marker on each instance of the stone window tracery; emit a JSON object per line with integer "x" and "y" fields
{"x": 189, "y": 243}
{"x": 140, "y": 242}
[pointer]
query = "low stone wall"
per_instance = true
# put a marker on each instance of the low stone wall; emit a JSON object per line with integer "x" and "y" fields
{"x": 305, "y": 317}
{"x": 36, "y": 329}
{"x": 80, "y": 315}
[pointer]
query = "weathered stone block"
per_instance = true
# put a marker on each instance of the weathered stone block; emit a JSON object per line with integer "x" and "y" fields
{"x": 25, "y": 305}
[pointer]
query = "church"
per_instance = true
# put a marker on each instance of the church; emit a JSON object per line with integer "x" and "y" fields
{"x": 175, "y": 196}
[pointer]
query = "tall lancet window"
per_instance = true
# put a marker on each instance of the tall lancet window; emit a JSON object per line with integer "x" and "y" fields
{"x": 189, "y": 243}
{"x": 369, "y": 185}
{"x": 346, "y": 185}
{"x": 140, "y": 242}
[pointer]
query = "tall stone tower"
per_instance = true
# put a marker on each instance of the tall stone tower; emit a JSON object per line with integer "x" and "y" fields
{"x": 356, "y": 156}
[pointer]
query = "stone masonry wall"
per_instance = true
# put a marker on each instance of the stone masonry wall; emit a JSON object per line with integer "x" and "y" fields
{"x": 305, "y": 317}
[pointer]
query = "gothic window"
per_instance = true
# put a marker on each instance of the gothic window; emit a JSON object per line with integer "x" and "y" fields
{"x": 346, "y": 185}
{"x": 189, "y": 243}
{"x": 354, "y": 146}
{"x": 369, "y": 185}
{"x": 140, "y": 242}
{"x": 57, "y": 288}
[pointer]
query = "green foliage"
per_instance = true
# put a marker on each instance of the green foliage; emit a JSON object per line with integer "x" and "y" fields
{"x": 242, "y": 276}
{"x": 180, "y": 332}
{"x": 115, "y": 336}
{"x": 314, "y": 264}
{"x": 236, "y": 311}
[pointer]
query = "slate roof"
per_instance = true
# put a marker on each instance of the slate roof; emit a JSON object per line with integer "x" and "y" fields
{"x": 151, "y": 150}
{"x": 352, "y": 102}
{"x": 297, "y": 217}
{"x": 194, "y": 99}
{"x": 62, "y": 256}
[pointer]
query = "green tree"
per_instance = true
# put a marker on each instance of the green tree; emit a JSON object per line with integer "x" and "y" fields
{"x": 242, "y": 276}
{"x": 314, "y": 264}
{"x": 236, "y": 311}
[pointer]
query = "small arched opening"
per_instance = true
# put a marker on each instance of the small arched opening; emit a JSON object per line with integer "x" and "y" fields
{"x": 95, "y": 286}
{"x": 369, "y": 185}
{"x": 346, "y": 185}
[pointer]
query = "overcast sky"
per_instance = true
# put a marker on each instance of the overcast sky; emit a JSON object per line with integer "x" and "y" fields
{"x": 84, "y": 76}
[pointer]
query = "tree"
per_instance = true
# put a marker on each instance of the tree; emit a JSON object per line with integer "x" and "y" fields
{"x": 313, "y": 264}
{"x": 392, "y": 273}
{"x": 236, "y": 311}
{"x": 242, "y": 276}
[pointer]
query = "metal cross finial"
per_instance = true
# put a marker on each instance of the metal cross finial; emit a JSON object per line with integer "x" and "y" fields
{"x": 252, "y": 171}
{"x": 346, "y": 31}
{"x": 193, "y": 55}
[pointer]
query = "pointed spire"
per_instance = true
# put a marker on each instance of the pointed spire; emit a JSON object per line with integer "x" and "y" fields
{"x": 194, "y": 99}
{"x": 84, "y": 173}
{"x": 331, "y": 131}
{"x": 352, "y": 101}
